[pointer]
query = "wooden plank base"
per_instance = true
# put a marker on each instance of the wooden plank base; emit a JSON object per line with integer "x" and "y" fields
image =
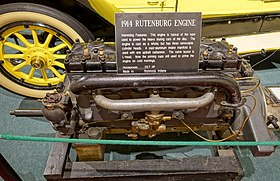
{"x": 223, "y": 167}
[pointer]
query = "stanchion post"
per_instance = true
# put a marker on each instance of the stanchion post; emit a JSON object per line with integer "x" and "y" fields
{"x": 6, "y": 170}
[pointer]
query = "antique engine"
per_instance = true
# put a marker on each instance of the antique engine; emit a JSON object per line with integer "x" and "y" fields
{"x": 222, "y": 98}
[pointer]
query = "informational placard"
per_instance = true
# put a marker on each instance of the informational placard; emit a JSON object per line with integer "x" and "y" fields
{"x": 157, "y": 42}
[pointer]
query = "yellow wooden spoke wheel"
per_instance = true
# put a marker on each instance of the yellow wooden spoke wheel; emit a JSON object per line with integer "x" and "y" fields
{"x": 33, "y": 44}
{"x": 34, "y": 54}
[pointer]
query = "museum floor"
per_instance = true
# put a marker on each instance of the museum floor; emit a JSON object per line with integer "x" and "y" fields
{"x": 29, "y": 158}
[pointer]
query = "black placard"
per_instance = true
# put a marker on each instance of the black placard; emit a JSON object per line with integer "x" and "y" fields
{"x": 157, "y": 42}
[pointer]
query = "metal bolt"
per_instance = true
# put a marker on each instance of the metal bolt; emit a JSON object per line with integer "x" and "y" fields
{"x": 205, "y": 59}
{"x": 255, "y": 20}
{"x": 133, "y": 136}
{"x": 234, "y": 48}
{"x": 272, "y": 120}
{"x": 155, "y": 92}
{"x": 94, "y": 133}
{"x": 124, "y": 116}
{"x": 209, "y": 49}
{"x": 59, "y": 87}
{"x": 263, "y": 52}
{"x": 177, "y": 114}
{"x": 95, "y": 50}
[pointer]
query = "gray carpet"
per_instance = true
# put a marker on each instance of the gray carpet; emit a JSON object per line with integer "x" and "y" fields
{"x": 27, "y": 158}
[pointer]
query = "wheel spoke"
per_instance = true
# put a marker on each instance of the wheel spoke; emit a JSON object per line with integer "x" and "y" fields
{"x": 31, "y": 73}
{"x": 23, "y": 39}
{"x": 58, "y": 47}
{"x": 19, "y": 66}
{"x": 35, "y": 37}
{"x": 59, "y": 64}
{"x": 59, "y": 56}
{"x": 44, "y": 74}
{"x": 10, "y": 56}
{"x": 16, "y": 47}
{"x": 48, "y": 40}
{"x": 56, "y": 73}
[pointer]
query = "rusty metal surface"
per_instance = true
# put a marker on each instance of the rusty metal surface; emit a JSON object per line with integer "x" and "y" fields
{"x": 203, "y": 79}
{"x": 89, "y": 152}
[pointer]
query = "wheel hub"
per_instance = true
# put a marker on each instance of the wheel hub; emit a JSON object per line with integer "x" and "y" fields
{"x": 37, "y": 62}
{"x": 39, "y": 57}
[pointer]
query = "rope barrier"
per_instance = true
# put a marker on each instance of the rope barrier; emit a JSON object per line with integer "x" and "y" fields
{"x": 139, "y": 142}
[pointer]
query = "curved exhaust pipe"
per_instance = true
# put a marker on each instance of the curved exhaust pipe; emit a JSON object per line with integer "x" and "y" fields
{"x": 83, "y": 84}
{"x": 154, "y": 103}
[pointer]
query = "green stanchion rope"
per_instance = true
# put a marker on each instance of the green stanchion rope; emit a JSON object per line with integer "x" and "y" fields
{"x": 139, "y": 142}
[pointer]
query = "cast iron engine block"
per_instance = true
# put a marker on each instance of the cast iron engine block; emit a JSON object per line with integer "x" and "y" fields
{"x": 94, "y": 96}
{"x": 94, "y": 100}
